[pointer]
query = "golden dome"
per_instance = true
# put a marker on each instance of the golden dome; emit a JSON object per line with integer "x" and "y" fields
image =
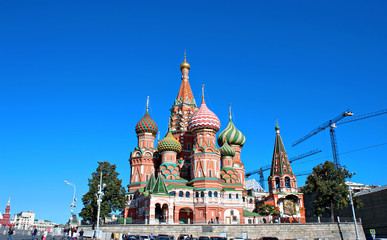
{"x": 185, "y": 64}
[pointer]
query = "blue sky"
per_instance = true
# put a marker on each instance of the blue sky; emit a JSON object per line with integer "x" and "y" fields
{"x": 74, "y": 77}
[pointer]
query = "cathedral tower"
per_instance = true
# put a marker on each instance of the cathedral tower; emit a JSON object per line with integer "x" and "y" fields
{"x": 181, "y": 112}
{"x": 281, "y": 177}
{"x": 143, "y": 159}
{"x": 169, "y": 147}
{"x": 283, "y": 192}
{"x": 205, "y": 159}
{"x": 236, "y": 140}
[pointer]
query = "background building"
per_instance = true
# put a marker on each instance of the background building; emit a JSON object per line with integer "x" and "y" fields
{"x": 24, "y": 220}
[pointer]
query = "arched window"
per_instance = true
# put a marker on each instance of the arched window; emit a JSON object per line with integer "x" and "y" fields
{"x": 147, "y": 178}
{"x": 210, "y": 174}
{"x": 181, "y": 194}
{"x": 187, "y": 194}
{"x": 287, "y": 182}
{"x": 277, "y": 183}
{"x": 237, "y": 196}
{"x": 173, "y": 193}
{"x": 230, "y": 196}
{"x": 202, "y": 194}
{"x": 244, "y": 199}
{"x": 209, "y": 194}
{"x": 216, "y": 194}
{"x": 251, "y": 200}
{"x": 197, "y": 194}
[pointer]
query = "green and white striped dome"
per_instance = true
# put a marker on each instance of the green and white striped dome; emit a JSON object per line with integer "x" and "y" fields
{"x": 226, "y": 150}
{"x": 232, "y": 135}
{"x": 169, "y": 143}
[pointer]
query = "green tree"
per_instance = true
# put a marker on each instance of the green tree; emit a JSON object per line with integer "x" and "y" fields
{"x": 328, "y": 187}
{"x": 114, "y": 193}
{"x": 267, "y": 209}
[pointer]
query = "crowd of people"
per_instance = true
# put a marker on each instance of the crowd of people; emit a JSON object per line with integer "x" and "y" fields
{"x": 72, "y": 233}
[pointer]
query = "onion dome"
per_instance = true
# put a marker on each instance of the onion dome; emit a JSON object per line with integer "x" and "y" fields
{"x": 226, "y": 150}
{"x": 146, "y": 125}
{"x": 185, "y": 64}
{"x": 204, "y": 118}
{"x": 169, "y": 143}
{"x": 232, "y": 135}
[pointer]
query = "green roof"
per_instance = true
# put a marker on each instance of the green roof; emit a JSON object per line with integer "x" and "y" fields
{"x": 151, "y": 183}
{"x": 160, "y": 187}
{"x": 170, "y": 187}
{"x": 228, "y": 189}
{"x": 251, "y": 214}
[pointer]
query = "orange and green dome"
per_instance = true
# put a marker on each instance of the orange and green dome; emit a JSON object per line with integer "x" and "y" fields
{"x": 231, "y": 135}
{"x": 169, "y": 143}
{"x": 146, "y": 125}
{"x": 226, "y": 150}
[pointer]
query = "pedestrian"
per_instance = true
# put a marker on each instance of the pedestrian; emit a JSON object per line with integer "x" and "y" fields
{"x": 81, "y": 234}
{"x": 151, "y": 236}
{"x": 112, "y": 236}
{"x": 116, "y": 236}
{"x": 123, "y": 236}
{"x": 34, "y": 231}
{"x": 74, "y": 233}
{"x": 45, "y": 233}
{"x": 10, "y": 233}
{"x": 69, "y": 233}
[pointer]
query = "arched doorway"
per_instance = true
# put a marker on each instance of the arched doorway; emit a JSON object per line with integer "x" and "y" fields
{"x": 185, "y": 216}
{"x": 165, "y": 213}
{"x": 158, "y": 212}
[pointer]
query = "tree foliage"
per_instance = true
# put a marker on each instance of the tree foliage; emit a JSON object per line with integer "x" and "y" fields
{"x": 328, "y": 187}
{"x": 114, "y": 193}
{"x": 268, "y": 209}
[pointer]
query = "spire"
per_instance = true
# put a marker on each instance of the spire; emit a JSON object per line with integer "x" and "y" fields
{"x": 9, "y": 201}
{"x": 151, "y": 183}
{"x": 160, "y": 187}
{"x": 185, "y": 93}
{"x": 203, "y": 94}
{"x": 280, "y": 164}
{"x": 147, "y": 103}
{"x": 229, "y": 106}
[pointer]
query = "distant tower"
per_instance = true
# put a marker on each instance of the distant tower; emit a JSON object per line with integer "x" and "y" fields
{"x": 205, "y": 162}
{"x": 283, "y": 192}
{"x": 143, "y": 160}
{"x": 6, "y": 215}
{"x": 236, "y": 140}
{"x": 181, "y": 112}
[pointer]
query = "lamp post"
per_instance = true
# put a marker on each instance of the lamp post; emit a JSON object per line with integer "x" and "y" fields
{"x": 74, "y": 199}
{"x": 353, "y": 212}
{"x": 99, "y": 200}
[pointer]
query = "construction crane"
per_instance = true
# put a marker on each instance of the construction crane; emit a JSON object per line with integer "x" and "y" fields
{"x": 268, "y": 167}
{"x": 332, "y": 125}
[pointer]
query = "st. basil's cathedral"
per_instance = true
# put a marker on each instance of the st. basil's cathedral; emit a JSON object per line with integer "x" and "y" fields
{"x": 188, "y": 179}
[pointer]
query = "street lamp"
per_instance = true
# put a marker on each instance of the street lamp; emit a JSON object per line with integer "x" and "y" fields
{"x": 353, "y": 212}
{"x": 99, "y": 200}
{"x": 74, "y": 199}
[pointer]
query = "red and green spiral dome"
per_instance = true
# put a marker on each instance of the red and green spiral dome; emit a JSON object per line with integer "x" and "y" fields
{"x": 146, "y": 125}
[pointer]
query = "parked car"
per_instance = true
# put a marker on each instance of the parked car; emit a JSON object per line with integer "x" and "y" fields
{"x": 192, "y": 238}
{"x": 132, "y": 237}
{"x": 144, "y": 237}
{"x": 204, "y": 238}
{"x": 163, "y": 237}
{"x": 183, "y": 237}
{"x": 268, "y": 238}
{"x": 217, "y": 238}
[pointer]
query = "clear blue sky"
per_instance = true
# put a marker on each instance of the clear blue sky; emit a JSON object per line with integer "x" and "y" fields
{"x": 74, "y": 77}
